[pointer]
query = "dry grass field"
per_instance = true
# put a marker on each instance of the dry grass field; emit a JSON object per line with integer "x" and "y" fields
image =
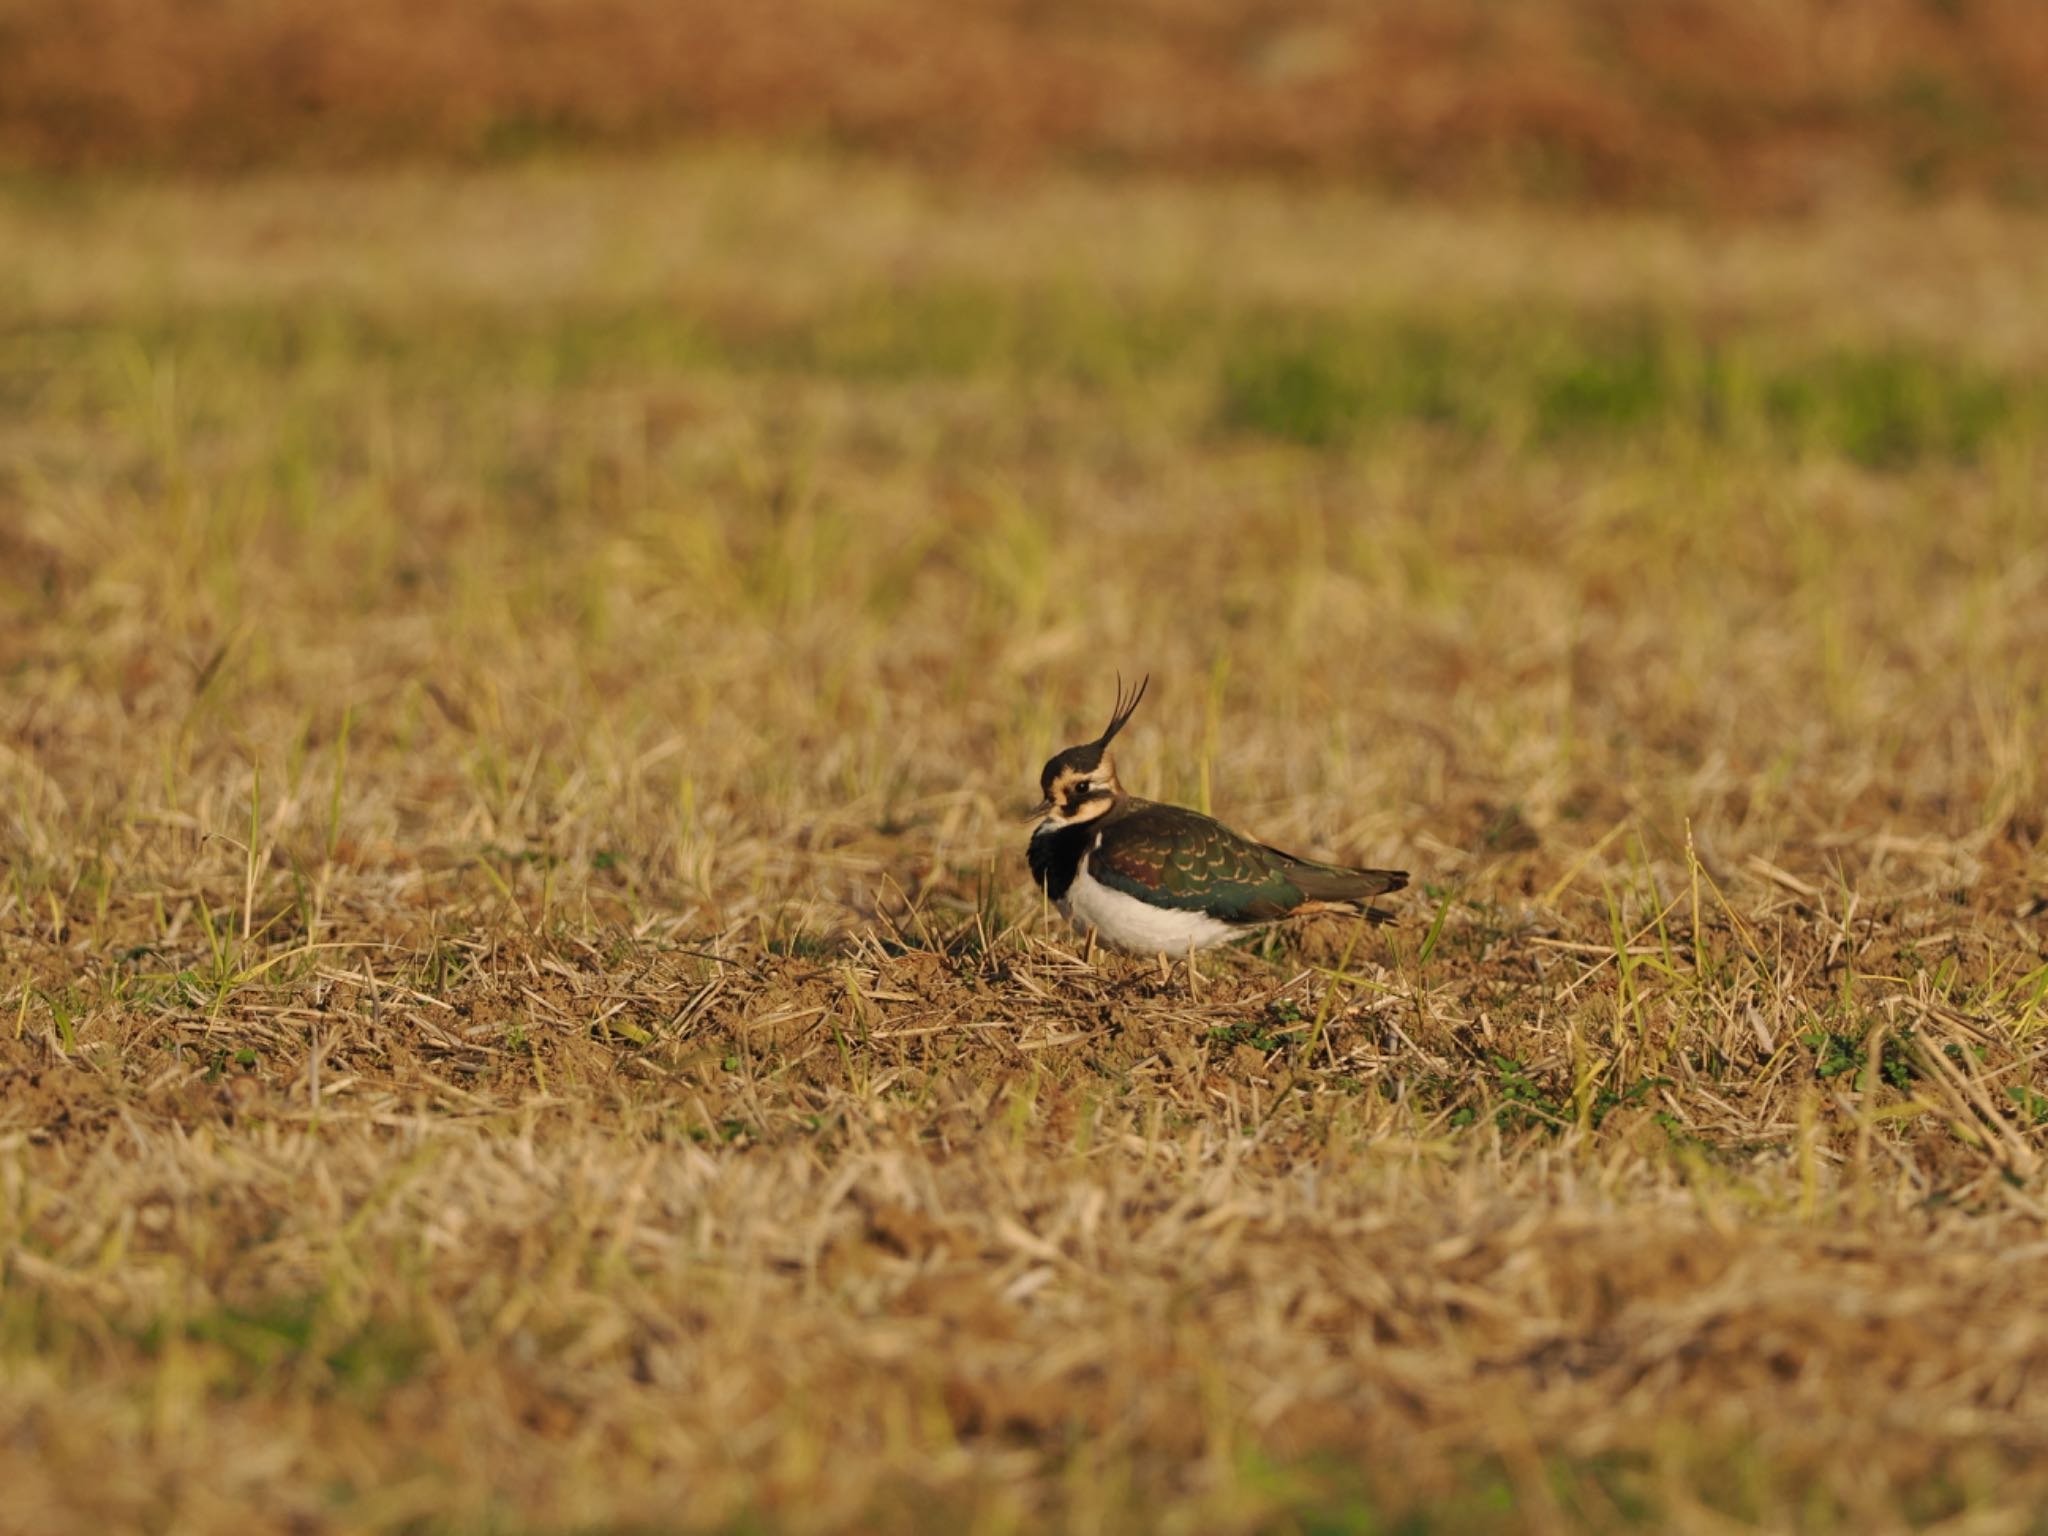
{"x": 1772, "y": 104}
{"x": 524, "y": 1010}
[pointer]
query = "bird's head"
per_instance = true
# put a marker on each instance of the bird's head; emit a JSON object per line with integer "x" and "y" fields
{"x": 1080, "y": 783}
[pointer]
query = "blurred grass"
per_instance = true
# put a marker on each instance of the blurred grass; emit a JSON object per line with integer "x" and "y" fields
{"x": 1719, "y": 103}
{"x": 1319, "y": 378}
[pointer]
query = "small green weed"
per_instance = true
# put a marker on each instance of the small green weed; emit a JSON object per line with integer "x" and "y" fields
{"x": 1837, "y": 1054}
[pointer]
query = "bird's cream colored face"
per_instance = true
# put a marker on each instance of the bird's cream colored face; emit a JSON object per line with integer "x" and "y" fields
{"x": 1074, "y": 794}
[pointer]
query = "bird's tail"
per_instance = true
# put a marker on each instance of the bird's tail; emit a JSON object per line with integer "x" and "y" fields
{"x": 1347, "y": 890}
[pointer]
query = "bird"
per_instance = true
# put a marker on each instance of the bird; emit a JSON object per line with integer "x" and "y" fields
{"x": 1166, "y": 880}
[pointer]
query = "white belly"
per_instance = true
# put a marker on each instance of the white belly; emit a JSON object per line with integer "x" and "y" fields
{"x": 1132, "y": 924}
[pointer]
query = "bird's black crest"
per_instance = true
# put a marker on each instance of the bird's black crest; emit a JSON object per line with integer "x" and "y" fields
{"x": 1088, "y": 756}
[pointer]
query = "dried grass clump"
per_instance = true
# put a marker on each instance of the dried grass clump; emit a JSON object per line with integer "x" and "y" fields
{"x": 523, "y": 1005}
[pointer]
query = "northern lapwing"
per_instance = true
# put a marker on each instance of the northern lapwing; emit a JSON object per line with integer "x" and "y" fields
{"x": 1165, "y": 880}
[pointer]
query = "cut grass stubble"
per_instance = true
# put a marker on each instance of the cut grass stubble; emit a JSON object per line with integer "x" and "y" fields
{"x": 525, "y": 1009}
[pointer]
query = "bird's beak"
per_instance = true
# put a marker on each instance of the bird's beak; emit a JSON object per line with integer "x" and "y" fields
{"x": 1040, "y": 810}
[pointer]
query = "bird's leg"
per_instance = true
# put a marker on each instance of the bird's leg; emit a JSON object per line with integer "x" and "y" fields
{"x": 1089, "y": 957}
{"x": 1165, "y": 970}
{"x": 1194, "y": 976}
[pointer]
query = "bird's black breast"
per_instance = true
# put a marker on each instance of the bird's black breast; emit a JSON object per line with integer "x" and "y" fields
{"x": 1056, "y": 857}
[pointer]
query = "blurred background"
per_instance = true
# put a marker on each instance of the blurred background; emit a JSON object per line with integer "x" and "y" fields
{"x": 1744, "y": 104}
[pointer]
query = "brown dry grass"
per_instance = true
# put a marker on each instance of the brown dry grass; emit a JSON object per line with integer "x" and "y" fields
{"x": 524, "y": 1009}
{"x": 1732, "y": 102}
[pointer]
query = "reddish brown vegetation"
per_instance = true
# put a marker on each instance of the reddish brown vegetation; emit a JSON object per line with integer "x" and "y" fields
{"x": 1734, "y": 102}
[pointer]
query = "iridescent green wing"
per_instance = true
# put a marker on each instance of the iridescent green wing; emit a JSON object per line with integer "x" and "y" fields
{"x": 1177, "y": 858}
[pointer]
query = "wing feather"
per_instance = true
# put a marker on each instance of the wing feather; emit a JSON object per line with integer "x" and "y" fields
{"x": 1178, "y": 858}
